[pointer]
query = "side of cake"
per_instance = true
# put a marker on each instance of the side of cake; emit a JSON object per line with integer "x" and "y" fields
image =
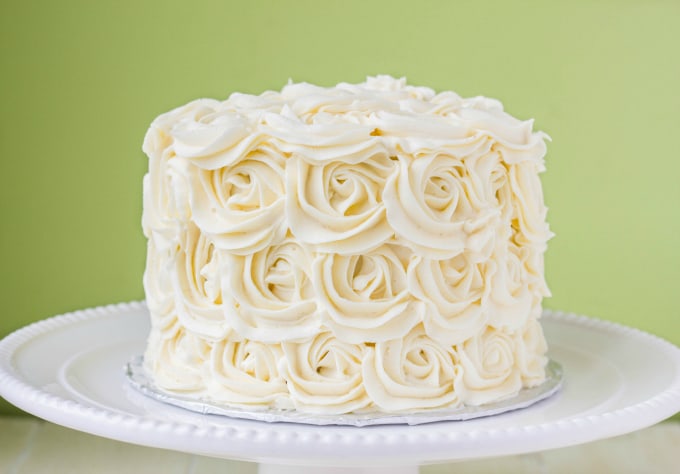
{"x": 365, "y": 247}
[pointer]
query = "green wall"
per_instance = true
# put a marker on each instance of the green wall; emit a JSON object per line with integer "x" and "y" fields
{"x": 81, "y": 81}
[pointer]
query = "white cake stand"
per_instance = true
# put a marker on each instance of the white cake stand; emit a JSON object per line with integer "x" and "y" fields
{"x": 69, "y": 370}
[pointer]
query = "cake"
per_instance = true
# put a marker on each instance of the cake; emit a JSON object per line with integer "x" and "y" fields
{"x": 363, "y": 248}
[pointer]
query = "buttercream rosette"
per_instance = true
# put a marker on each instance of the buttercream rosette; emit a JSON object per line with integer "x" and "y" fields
{"x": 268, "y": 295}
{"x": 240, "y": 207}
{"x": 244, "y": 373}
{"x": 324, "y": 375}
{"x": 411, "y": 373}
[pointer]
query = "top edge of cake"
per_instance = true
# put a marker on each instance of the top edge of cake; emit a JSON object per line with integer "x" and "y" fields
{"x": 348, "y": 121}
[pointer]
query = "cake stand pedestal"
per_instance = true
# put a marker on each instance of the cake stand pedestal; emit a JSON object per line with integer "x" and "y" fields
{"x": 69, "y": 370}
{"x": 283, "y": 469}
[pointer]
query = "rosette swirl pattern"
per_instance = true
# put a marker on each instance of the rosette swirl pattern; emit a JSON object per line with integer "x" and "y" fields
{"x": 178, "y": 362}
{"x": 158, "y": 286}
{"x": 531, "y": 353}
{"x": 323, "y": 138}
{"x": 196, "y": 286}
{"x": 268, "y": 295}
{"x": 166, "y": 198}
{"x": 240, "y": 207}
{"x": 246, "y": 373}
{"x": 511, "y": 292}
{"x": 455, "y": 291}
{"x": 365, "y": 297}
{"x": 489, "y": 369}
{"x": 324, "y": 375}
{"x": 211, "y": 134}
{"x": 437, "y": 208}
{"x": 411, "y": 373}
{"x": 337, "y": 206}
{"x": 530, "y": 211}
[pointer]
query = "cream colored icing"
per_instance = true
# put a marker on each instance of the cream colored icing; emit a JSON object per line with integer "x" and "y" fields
{"x": 371, "y": 246}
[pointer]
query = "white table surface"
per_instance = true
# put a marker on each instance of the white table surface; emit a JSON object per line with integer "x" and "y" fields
{"x": 32, "y": 446}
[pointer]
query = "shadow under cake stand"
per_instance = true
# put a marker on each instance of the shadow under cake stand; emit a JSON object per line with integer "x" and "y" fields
{"x": 69, "y": 370}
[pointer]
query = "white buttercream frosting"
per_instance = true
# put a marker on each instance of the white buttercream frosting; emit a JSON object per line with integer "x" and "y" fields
{"x": 373, "y": 246}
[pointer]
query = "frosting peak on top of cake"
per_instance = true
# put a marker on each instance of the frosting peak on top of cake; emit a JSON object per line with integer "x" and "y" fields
{"x": 354, "y": 121}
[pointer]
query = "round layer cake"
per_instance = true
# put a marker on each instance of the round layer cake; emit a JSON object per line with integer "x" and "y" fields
{"x": 365, "y": 247}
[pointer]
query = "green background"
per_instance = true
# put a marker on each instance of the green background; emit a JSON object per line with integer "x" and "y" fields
{"x": 81, "y": 81}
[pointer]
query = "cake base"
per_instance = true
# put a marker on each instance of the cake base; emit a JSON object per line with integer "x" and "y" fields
{"x": 140, "y": 380}
{"x": 68, "y": 370}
